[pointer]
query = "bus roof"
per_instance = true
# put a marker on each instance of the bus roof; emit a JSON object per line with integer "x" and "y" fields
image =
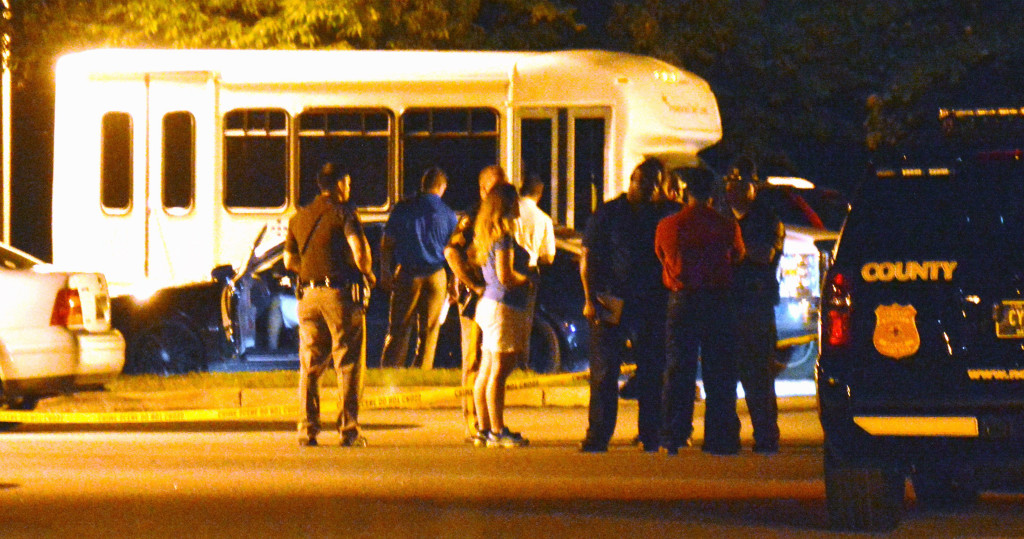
{"x": 293, "y": 66}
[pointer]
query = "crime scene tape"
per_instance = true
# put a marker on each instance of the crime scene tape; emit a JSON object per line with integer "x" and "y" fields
{"x": 397, "y": 400}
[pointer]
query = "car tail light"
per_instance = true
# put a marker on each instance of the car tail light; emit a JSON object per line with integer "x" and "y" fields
{"x": 67, "y": 309}
{"x": 836, "y": 307}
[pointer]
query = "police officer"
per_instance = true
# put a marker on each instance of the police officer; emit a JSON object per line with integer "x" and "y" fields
{"x": 756, "y": 291}
{"x": 327, "y": 249}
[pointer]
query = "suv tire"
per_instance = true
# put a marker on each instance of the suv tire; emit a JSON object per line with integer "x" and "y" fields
{"x": 862, "y": 497}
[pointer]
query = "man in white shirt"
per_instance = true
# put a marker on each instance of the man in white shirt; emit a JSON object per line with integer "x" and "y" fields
{"x": 534, "y": 229}
{"x": 535, "y": 232}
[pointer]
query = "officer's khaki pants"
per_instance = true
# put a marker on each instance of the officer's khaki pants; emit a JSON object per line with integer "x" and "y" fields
{"x": 332, "y": 331}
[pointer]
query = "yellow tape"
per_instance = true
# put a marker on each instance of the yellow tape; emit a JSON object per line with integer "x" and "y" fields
{"x": 429, "y": 396}
{"x": 796, "y": 341}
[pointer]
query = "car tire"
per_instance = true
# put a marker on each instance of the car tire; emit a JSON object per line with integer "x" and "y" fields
{"x": 21, "y": 404}
{"x": 799, "y": 360}
{"x": 545, "y": 347}
{"x": 862, "y": 497}
{"x": 170, "y": 346}
{"x": 944, "y": 488}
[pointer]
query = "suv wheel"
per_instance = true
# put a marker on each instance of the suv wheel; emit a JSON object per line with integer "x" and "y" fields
{"x": 944, "y": 488}
{"x": 862, "y": 497}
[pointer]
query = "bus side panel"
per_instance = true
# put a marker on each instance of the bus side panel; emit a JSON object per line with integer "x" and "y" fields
{"x": 86, "y": 234}
{"x": 182, "y": 242}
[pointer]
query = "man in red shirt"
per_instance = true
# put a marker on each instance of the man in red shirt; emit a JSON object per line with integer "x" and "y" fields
{"x": 698, "y": 247}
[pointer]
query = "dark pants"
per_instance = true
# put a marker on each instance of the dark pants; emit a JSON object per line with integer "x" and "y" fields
{"x": 756, "y": 337}
{"x": 640, "y": 335}
{"x": 332, "y": 331}
{"x": 699, "y": 326}
{"x": 416, "y": 303}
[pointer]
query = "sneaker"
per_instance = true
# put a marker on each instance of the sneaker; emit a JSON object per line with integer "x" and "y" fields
{"x": 506, "y": 438}
{"x": 479, "y": 439}
{"x": 353, "y": 441}
{"x": 587, "y": 446}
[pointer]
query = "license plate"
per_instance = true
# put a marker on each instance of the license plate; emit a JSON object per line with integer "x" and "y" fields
{"x": 1009, "y": 316}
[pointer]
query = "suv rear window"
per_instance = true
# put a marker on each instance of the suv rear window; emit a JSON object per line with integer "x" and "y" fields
{"x": 977, "y": 210}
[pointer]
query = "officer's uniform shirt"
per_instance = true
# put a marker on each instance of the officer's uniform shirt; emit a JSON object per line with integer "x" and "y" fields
{"x": 327, "y": 254}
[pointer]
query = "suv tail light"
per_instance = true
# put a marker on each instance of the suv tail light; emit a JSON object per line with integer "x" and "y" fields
{"x": 67, "y": 309}
{"x": 836, "y": 307}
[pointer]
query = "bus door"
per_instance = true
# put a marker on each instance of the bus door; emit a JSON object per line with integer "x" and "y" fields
{"x": 179, "y": 185}
{"x": 567, "y": 148}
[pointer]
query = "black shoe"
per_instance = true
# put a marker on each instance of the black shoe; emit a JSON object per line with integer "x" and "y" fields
{"x": 630, "y": 389}
{"x": 587, "y": 446}
{"x": 648, "y": 445}
{"x": 766, "y": 449}
{"x": 353, "y": 441}
{"x": 307, "y": 442}
{"x": 720, "y": 451}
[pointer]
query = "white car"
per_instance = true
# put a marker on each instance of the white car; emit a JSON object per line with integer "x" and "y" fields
{"x": 55, "y": 332}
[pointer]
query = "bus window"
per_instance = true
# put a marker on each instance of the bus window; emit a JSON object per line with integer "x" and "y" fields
{"x": 255, "y": 158}
{"x": 359, "y": 141}
{"x": 588, "y": 172}
{"x": 116, "y": 174}
{"x": 461, "y": 141}
{"x": 179, "y": 168}
{"x": 536, "y": 155}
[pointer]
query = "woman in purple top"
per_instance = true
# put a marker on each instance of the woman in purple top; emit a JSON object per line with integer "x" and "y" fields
{"x": 502, "y": 313}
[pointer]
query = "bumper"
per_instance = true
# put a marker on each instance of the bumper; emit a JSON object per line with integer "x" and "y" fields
{"x": 907, "y": 436}
{"x": 37, "y": 358}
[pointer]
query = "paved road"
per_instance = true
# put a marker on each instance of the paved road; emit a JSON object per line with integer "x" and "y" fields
{"x": 417, "y": 479}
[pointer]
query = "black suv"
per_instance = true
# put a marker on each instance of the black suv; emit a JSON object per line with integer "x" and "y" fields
{"x": 921, "y": 371}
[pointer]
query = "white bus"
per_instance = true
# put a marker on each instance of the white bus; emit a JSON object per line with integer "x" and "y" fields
{"x": 167, "y": 163}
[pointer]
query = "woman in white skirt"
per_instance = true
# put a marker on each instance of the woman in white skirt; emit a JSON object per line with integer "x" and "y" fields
{"x": 502, "y": 313}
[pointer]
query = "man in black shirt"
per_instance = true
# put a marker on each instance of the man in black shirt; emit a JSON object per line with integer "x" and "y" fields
{"x": 619, "y": 263}
{"x": 328, "y": 251}
{"x": 756, "y": 292}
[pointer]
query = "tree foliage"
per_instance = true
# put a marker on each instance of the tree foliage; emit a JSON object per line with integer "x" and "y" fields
{"x": 796, "y": 79}
{"x": 796, "y": 76}
{"x": 44, "y": 28}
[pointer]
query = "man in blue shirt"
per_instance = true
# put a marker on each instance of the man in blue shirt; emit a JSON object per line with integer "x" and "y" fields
{"x": 413, "y": 269}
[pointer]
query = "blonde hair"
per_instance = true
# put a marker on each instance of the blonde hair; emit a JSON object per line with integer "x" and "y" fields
{"x": 494, "y": 220}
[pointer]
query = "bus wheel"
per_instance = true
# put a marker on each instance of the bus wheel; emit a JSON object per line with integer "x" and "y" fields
{"x": 545, "y": 347}
{"x": 165, "y": 347}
